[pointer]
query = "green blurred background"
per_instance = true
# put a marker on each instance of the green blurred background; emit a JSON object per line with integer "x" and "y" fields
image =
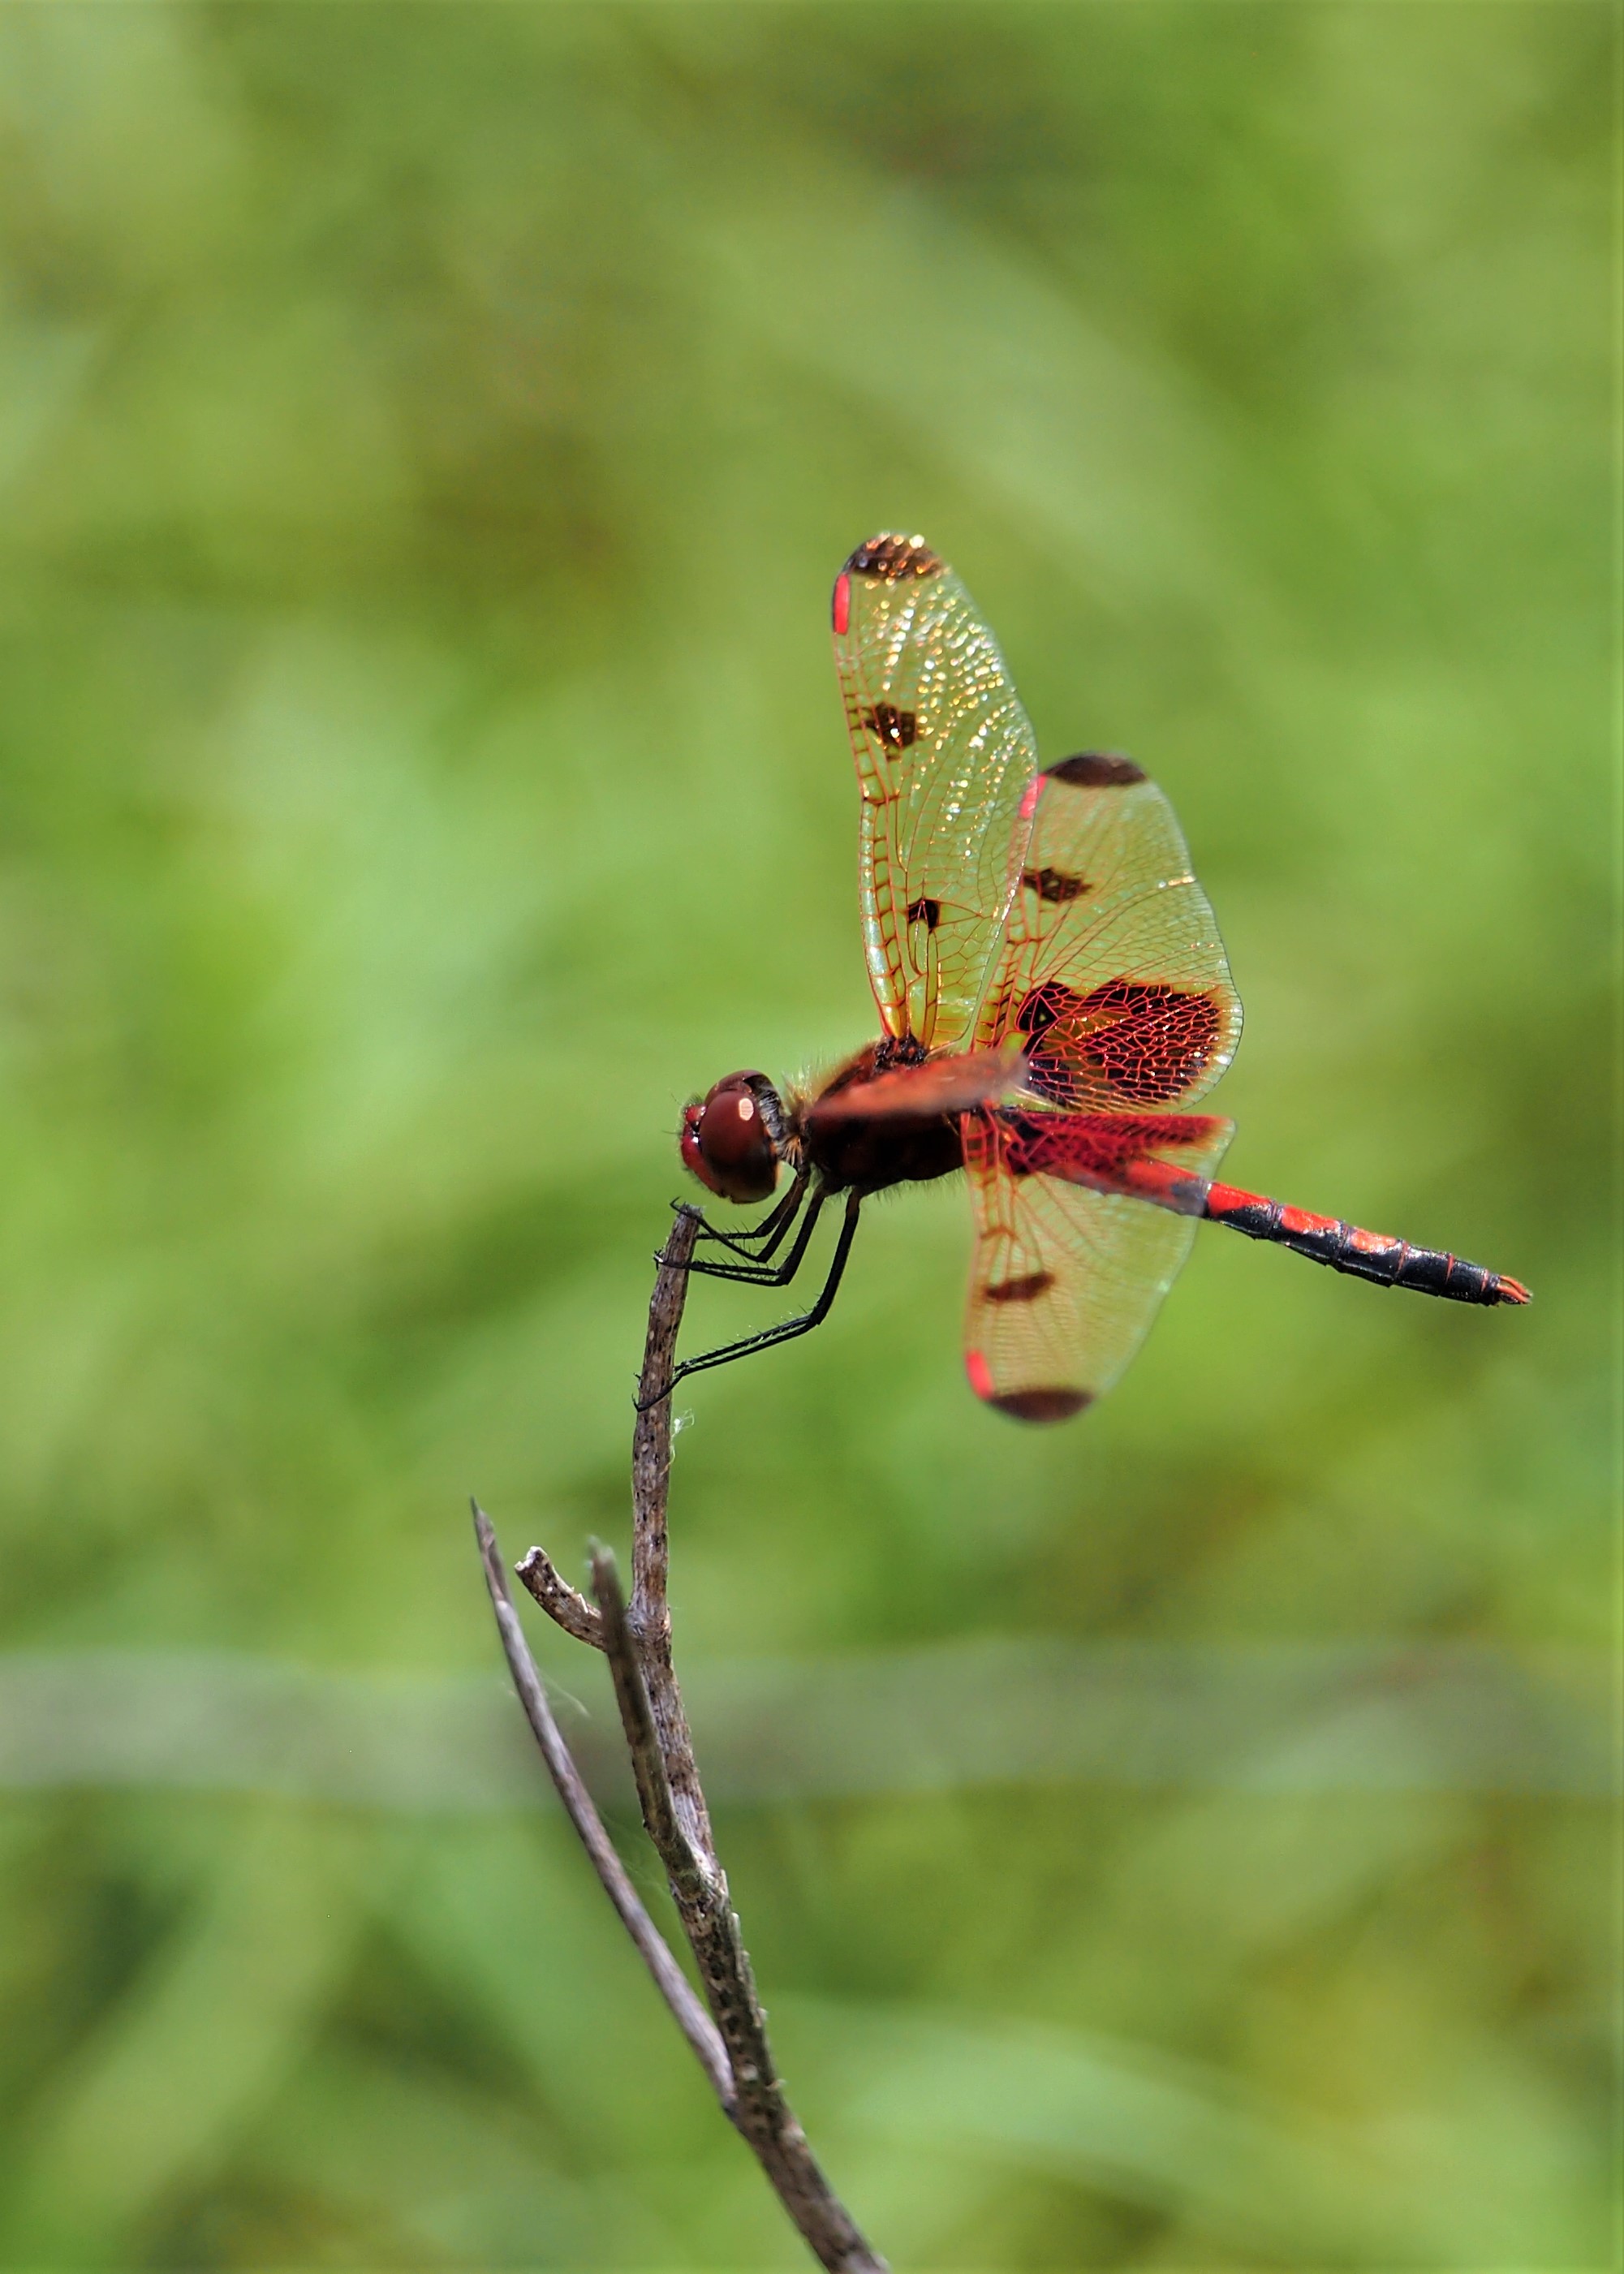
{"x": 1179, "y": 1840}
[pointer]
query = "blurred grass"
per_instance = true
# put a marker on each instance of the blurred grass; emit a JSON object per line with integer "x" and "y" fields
{"x": 427, "y": 436}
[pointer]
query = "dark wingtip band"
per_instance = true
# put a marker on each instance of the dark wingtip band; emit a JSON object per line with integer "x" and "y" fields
{"x": 891, "y": 558}
{"x": 1096, "y": 770}
{"x": 1042, "y": 1405}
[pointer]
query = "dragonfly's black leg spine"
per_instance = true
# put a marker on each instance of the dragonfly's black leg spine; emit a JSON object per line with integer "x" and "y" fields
{"x": 771, "y": 1228}
{"x": 770, "y": 1275}
{"x": 791, "y": 1327}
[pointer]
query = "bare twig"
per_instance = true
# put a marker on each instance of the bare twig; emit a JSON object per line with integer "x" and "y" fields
{"x": 637, "y": 1643}
{"x": 699, "y": 1887}
{"x": 672, "y": 1983}
{"x": 649, "y": 1617}
{"x": 692, "y": 1874}
{"x": 651, "y": 1434}
{"x": 564, "y": 1604}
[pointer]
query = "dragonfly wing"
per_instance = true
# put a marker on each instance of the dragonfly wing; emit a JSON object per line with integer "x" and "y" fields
{"x": 1068, "y": 1267}
{"x": 946, "y": 762}
{"x": 941, "y": 1085}
{"x": 1112, "y": 972}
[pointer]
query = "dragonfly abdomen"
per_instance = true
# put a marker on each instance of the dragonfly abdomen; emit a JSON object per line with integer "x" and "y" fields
{"x": 1363, "y": 1254}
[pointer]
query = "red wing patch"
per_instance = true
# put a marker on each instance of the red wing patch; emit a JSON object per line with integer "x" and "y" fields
{"x": 1112, "y": 970}
{"x": 946, "y": 764}
{"x": 1069, "y": 1264}
{"x": 1144, "y": 1041}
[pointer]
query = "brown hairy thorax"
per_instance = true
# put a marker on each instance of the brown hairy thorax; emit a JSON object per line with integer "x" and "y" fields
{"x": 735, "y": 1138}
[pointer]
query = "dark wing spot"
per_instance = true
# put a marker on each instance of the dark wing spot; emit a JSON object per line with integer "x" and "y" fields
{"x": 1053, "y": 883}
{"x": 900, "y": 728}
{"x": 1044, "y": 1005}
{"x": 892, "y": 558}
{"x": 925, "y": 912}
{"x": 1043, "y": 1405}
{"x": 1019, "y": 1290}
{"x": 1150, "y": 1041}
{"x": 1096, "y": 770}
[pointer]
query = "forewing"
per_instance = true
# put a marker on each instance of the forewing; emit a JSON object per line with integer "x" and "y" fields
{"x": 1112, "y": 974}
{"x": 1067, "y": 1274}
{"x": 945, "y": 758}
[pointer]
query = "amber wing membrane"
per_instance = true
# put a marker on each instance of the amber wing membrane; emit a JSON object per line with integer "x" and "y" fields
{"x": 1068, "y": 1268}
{"x": 945, "y": 758}
{"x": 1112, "y": 975}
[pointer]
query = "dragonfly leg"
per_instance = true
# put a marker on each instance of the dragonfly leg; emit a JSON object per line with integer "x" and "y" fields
{"x": 790, "y": 1328}
{"x": 771, "y": 1228}
{"x": 761, "y": 1273}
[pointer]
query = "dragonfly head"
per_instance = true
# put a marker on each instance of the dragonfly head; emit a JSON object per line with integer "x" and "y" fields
{"x": 730, "y": 1138}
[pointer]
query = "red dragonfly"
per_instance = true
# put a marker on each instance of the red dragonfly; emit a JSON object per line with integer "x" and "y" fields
{"x": 1053, "y": 997}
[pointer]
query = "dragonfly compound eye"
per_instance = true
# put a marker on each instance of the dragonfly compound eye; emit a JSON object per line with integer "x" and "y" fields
{"x": 727, "y": 1144}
